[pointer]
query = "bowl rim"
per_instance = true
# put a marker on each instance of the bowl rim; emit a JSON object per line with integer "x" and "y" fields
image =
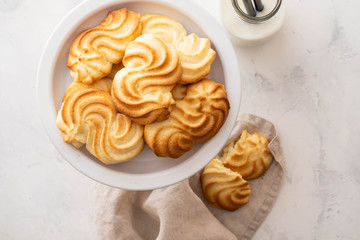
{"x": 47, "y": 111}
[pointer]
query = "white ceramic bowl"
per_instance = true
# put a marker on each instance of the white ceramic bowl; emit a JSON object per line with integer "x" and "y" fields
{"x": 145, "y": 171}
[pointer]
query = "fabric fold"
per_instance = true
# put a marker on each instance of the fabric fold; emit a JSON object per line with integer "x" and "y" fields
{"x": 180, "y": 211}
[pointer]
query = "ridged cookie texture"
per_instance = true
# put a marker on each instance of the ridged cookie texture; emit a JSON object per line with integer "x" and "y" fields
{"x": 95, "y": 50}
{"x": 195, "y": 118}
{"x": 163, "y": 27}
{"x": 196, "y": 55}
{"x": 87, "y": 116}
{"x": 224, "y": 188}
{"x": 248, "y": 156}
{"x": 142, "y": 89}
{"x": 203, "y": 110}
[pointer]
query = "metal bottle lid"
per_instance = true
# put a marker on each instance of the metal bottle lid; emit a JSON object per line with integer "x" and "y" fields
{"x": 253, "y": 6}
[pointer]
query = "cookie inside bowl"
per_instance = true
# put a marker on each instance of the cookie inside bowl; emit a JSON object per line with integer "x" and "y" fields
{"x": 146, "y": 170}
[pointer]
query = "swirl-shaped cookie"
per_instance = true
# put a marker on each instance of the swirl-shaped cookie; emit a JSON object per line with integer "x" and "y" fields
{"x": 224, "y": 188}
{"x": 249, "y": 156}
{"x": 168, "y": 138}
{"x": 87, "y": 116}
{"x": 142, "y": 89}
{"x": 195, "y": 118}
{"x": 203, "y": 110}
{"x": 196, "y": 55}
{"x": 163, "y": 27}
{"x": 95, "y": 50}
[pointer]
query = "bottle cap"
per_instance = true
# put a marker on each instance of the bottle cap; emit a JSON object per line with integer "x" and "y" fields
{"x": 251, "y": 7}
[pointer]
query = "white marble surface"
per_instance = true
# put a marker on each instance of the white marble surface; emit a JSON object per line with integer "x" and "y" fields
{"x": 306, "y": 81}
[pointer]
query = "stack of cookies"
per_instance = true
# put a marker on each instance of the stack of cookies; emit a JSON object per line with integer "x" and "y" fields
{"x": 140, "y": 79}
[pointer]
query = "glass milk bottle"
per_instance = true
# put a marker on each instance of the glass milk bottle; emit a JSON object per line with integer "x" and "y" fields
{"x": 252, "y": 22}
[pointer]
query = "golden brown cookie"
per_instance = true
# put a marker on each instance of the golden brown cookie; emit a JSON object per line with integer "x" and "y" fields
{"x": 195, "y": 118}
{"x": 196, "y": 55}
{"x": 248, "y": 156}
{"x": 224, "y": 188}
{"x": 163, "y": 27}
{"x": 95, "y": 50}
{"x": 142, "y": 89}
{"x": 87, "y": 116}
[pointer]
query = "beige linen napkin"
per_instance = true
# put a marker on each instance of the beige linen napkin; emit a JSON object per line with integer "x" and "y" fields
{"x": 181, "y": 212}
